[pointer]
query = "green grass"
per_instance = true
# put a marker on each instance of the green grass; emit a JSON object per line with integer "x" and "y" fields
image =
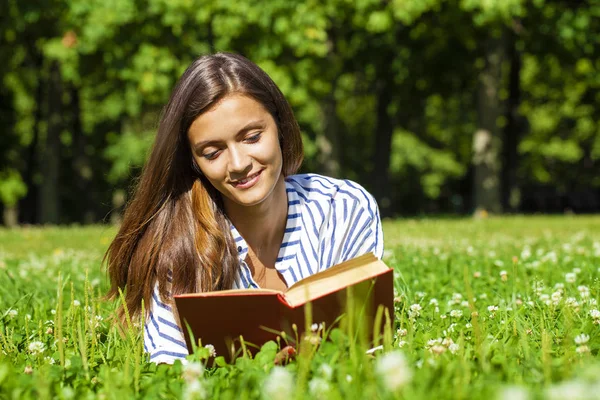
{"x": 455, "y": 343}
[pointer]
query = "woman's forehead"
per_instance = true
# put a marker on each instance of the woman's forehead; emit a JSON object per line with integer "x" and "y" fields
{"x": 229, "y": 116}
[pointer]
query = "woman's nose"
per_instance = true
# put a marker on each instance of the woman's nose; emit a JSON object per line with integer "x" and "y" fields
{"x": 240, "y": 163}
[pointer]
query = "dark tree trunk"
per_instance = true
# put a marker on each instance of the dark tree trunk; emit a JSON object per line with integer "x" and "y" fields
{"x": 48, "y": 200}
{"x": 28, "y": 205}
{"x": 511, "y": 197}
{"x": 487, "y": 144}
{"x": 383, "y": 145}
{"x": 82, "y": 168}
{"x": 328, "y": 143}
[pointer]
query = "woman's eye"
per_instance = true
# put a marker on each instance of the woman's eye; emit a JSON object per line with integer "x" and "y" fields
{"x": 253, "y": 138}
{"x": 212, "y": 155}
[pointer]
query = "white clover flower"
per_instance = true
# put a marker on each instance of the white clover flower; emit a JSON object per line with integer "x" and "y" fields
{"x": 556, "y": 297}
{"x": 279, "y": 384}
{"x": 433, "y": 301}
{"x": 456, "y": 313}
{"x": 570, "y": 277}
{"x": 551, "y": 256}
{"x": 447, "y": 342}
{"x": 12, "y": 313}
{"x": 414, "y": 311}
{"x": 584, "y": 291}
{"x": 211, "y": 350}
{"x": 582, "y": 349}
{"x": 477, "y": 274}
{"x": 402, "y": 343}
{"x": 318, "y": 388}
{"x": 492, "y": 308}
{"x": 468, "y": 325}
{"x": 433, "y": 342}
{"x": 572, "y": 390}
{"x": 393, "y": 370}
{"x": 454, "y": 347}
{"x": 576, "y": 270}
{"x": 420, "y": 294}
{"x": 545, "y": 298}
{"x": 195, "y": 390}
{"x": 192, "y": 371}
{"x": 326, "y": 371}
{"x": 582, "y": 339}
{"x": 76, "y": 303}
{"x": 595, "y": 314}
{"x": 513, "y": 393}
{"x": 28, "y": 317}
{"x": 36, "y": 348}
{"x": 571, "y": 302}
{"x": 456, "y": 298}
{"x": 402, "y": 332}
{"x": 437, "y": 349}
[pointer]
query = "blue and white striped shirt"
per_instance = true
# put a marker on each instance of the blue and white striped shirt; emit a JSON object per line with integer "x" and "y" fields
{"x": 329, "y": 221}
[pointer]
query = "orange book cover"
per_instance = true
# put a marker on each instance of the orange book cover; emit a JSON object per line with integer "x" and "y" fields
{"x": 220, "y": 318}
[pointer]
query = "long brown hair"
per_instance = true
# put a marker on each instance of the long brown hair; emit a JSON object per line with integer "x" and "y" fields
{"x": 175, "y": 222}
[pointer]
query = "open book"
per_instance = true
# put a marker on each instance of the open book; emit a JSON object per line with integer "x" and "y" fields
{"x": 259, "y": 315}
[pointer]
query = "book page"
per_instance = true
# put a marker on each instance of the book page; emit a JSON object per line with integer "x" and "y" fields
{"x": 233, "y": 292}
{"x": 335, "y": 278}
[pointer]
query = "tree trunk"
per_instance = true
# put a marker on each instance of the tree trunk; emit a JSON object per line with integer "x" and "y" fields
{"x": 328, "y": 143}
{"x": 511, "y": 197}
{"x": 487, "y": 144}
{"x": 28, "y": 204}
{"x": 383, "y": 145}
{"x": 48, "y": 200}
{"x": 10, "y": 216}
{"x": 81, "y": 163}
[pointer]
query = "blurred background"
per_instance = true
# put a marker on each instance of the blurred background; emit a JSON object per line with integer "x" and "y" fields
{"x": 435, "y": 106}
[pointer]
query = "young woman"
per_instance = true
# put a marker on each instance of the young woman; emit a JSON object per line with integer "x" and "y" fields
{"x": 218, "y": 207}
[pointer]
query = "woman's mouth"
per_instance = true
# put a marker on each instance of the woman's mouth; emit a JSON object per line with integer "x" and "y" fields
{"x": 247, "y": 182}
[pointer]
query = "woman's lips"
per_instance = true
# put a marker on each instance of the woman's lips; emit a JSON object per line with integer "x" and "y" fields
{"x": 247, "y": 182}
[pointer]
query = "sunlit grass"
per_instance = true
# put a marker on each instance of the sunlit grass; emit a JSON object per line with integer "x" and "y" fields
{"x": 484, "y": 308}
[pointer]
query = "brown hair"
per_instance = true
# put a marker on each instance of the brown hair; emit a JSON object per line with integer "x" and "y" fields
{"x": 175, "y": 222}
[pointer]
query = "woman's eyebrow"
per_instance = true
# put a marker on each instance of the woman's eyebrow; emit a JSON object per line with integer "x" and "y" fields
{"x": 256, "y": 124}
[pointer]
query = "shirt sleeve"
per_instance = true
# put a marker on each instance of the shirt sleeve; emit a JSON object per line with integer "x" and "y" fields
{"x": 163, "y": 338}
{"x": 353, "y": 227}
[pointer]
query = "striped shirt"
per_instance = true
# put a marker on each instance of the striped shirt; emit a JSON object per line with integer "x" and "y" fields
{"x": 329, "y": 221}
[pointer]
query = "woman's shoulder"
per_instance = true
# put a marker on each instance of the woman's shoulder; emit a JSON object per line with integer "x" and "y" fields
{"x": 317, "y": 187}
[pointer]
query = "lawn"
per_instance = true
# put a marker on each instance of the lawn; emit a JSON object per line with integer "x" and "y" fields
{"x": 491, "y": 308}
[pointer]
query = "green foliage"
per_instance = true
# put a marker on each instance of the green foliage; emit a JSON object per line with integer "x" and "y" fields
{"x": 119, "y": 60}
{"x": 12, "y": 187}
{"x": 434, "y": 165}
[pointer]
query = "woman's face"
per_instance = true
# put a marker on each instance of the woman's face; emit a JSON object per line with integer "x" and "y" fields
{"x": 236, "y": 146}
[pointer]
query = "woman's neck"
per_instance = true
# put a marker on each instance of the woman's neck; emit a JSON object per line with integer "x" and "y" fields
{"x": 262, "y": 226}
